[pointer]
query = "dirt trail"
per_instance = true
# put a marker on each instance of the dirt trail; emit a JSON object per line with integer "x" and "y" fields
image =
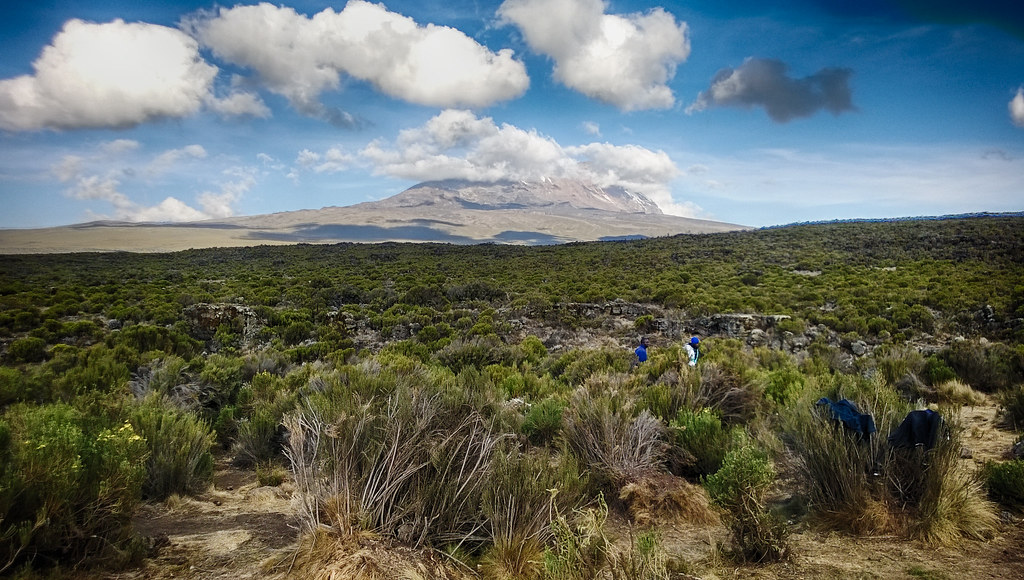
{"x": 225, "y": 533}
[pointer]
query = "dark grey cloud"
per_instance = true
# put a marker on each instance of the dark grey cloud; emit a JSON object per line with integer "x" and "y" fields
{"x": 764, "y": 83}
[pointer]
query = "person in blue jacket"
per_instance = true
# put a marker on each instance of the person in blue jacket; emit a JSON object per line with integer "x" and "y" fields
{"x": 693, "y": 350}
{"x": 641, "y": 351}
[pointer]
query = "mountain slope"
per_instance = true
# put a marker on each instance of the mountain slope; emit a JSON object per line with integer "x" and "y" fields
{"x": 459, "y": 212}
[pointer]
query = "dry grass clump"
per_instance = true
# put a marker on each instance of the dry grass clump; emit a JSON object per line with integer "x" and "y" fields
{"x": 868, "y": 487}
{"x": 953, "y": 503}
{"x": 324, "y": 556}
{"x": 606, "y": 436}
{"x": 406, "y": 466}
{"x": 663, "y": 498}
{"x": 958, "y": 393}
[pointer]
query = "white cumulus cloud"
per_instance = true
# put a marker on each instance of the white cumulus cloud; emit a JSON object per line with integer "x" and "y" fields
{"x": 1017, "y": 108}
{"x": 456, "y": 144}
{"x": 114, "y": 74}
{"x": 301, "y": 57}
{"x": 625, "y": 60}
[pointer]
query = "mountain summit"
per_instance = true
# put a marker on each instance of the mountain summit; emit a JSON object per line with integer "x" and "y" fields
{"x": 520, "y": 195}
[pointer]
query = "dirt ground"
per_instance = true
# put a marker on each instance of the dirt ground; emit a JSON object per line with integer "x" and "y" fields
{"x": 230, "y": 531}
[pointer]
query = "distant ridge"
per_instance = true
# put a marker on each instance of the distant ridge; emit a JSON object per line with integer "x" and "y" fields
{"x": 982, "y": 214}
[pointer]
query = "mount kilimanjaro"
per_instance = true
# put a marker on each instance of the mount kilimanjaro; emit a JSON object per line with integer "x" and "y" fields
{"x": 548, "y": 211}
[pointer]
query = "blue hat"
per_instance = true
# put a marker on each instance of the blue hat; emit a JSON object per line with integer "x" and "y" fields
{"x": 694, "y": 340}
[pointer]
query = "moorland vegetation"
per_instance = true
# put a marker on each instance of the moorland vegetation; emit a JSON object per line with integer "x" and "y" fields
{"x": 480, "y": 404}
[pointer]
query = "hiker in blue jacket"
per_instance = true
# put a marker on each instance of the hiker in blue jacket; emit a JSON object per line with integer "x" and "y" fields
{"x": 693, "y": 350}
{"x": 641, "y": 351}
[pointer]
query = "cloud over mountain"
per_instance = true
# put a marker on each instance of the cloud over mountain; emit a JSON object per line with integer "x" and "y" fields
{"x": 457, "y": 144}
{"x": 764, "y": 83}
{"x": 625, "y": 60}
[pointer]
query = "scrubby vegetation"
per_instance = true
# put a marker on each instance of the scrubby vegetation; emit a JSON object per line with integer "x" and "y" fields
{"x": 483, "y": 402}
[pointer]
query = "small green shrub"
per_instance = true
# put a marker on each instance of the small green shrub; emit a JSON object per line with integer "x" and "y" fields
{"x": 739, "y": 487}
{"x": 1012, "y": 403}
{"x": 701, "y": 435}
{"x": 544, "y": 420}
{"x": 257, "y": 438}
{"x": 644, "y": 559}
{"x": 179, "y": 445}
{"x": 784, "y": 384}
{"x": 936, "y": 371}
{"x": 29, "y": 350}
{"x": 68, "y": 488}
{"x": 1005, "y": 482}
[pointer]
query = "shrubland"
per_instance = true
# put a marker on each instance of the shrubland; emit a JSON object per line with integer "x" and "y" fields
{"x": 482, "y": 402}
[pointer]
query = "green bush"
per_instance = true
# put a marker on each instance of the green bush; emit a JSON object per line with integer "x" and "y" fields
{"x": 179, "y": 448}
{"x": 784, "y": 384}
{"x": 1012, "y": 402}
{"x": 29, "y": 349}
{"x": 1005, "y": 482}
{"x": 701, "y": 435}
{"x": 740, "y": 487}
{"x": 544, "y": 420}
{"x": 68, "y": 488}
{"x": 936, "y": 371}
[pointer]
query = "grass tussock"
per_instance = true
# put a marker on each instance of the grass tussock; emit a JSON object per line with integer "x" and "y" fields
{"x": 323, "y": 556}
{"x": 618, "y": 446}
{"x": 406, "y": 466}
{"x": 643, "y": 558}
{"x": 956, "y": 392}
{"x": 868, "y": 487}
{"x": 665, "y": 499}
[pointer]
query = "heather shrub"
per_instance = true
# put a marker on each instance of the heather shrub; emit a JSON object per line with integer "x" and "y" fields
{"x": 988, "y": 367}
{"x": 1005, "y": 482}
{"x": 179, "y": 445}
{"x": 783, "y": 384}
{"x": 1012, "y": 402}
{"x": 701, "y": 435}
{"x": 583, "y": 364}
{"x": 544, "y": 420}
{"x": 68, "y": 488}
{"x": 476, "y": 351}
{"x": 739, "y": 488}
{"x": 27, "y": 350}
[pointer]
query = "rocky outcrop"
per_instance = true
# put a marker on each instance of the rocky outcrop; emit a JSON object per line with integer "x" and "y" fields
{"x": 204, "y": 320}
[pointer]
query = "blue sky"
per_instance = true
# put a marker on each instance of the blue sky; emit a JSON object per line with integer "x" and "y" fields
{"x": 748, "y": 112}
